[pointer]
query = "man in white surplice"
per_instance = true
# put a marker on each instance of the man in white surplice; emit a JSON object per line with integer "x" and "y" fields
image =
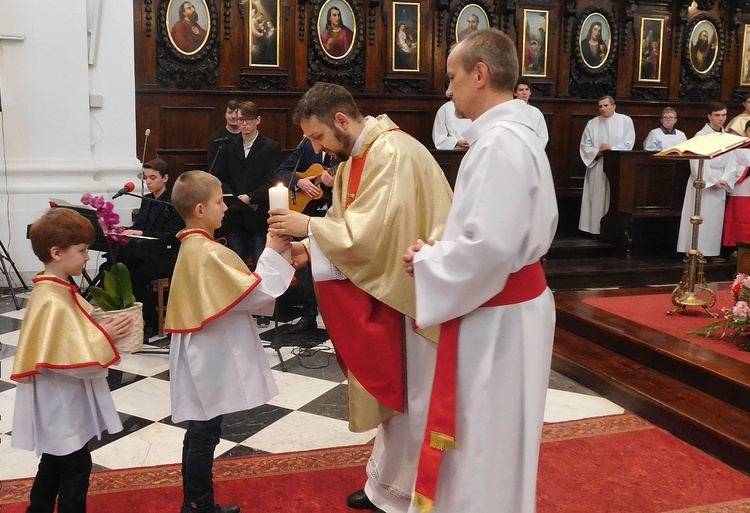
{"x": 447, "y": 129}
{"x": 484, "y": 278}
{"x": 608, "y": 131}
{"x": 719, "y": 174}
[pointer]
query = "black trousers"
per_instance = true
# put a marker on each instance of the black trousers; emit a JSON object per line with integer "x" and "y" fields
{"x": 65, "y": 478}
{"x": 201, "y": 438}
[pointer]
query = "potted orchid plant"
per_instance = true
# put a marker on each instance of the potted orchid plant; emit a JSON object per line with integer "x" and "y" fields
{"x": 115, "y": 296}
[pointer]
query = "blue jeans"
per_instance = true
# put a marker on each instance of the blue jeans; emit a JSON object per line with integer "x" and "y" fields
{"x": 247, "y": 245}
{"x": 201, "y": 439}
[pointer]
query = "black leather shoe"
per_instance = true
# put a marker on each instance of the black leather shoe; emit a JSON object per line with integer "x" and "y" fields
{"x": 304, "y": 324}
{"x": 358, "y": 500}
{"x": 263, "y": 321}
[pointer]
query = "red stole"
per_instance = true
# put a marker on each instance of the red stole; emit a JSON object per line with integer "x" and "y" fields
{"x": 367, "y": 333}
{"x": 440, "y": 433}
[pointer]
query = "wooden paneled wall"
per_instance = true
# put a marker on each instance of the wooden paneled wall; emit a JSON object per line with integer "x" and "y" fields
{"x": 181, "y": 98}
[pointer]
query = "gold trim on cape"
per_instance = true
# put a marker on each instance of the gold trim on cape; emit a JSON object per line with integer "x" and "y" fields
{"x": 209, "y": 279}
{"x": 57, "y": 332}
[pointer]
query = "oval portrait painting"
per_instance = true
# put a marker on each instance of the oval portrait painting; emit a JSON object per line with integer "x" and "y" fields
{"x": 703, "y": 46}
{"x": 188, "y": 25}
{"x": 336, "y": 28}
{"x": 594, "y": 40}
{"x": 471, "y": 19}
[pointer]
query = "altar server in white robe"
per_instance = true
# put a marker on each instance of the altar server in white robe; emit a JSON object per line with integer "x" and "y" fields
{"x": 447, "y": 129}
{"x": 720, "y": 175}
{"x": 216, "y": 362}
{"x": 536, "y": 120}
{"x": 608, "y": 131}
{"x": 666, "y": 135}
{"x": 61, "y": 365}
{"x": 484, "y": 282}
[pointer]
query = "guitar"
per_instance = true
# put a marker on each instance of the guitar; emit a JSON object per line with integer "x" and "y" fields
{"x": 300, "y": 201}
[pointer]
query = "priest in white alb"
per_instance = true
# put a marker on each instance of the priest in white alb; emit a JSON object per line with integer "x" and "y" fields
{"x": 484, "y": 283}
{"x": 720, "y": 175}
{"x": 608, "y": 131}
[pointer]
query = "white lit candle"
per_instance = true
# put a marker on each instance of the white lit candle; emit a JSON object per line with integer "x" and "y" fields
{"x": 278, "y": 198}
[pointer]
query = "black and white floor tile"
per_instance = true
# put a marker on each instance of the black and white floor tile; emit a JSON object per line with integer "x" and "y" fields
{"x": 310, "y": 411}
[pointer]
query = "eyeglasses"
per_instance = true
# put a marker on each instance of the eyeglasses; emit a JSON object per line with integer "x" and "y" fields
{"x": 669, "y": 117}
{"x": 243, "y": 121}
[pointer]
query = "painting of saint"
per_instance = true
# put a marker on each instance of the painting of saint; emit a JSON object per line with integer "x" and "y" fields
{"x": 745, "y": 72}
{"x": 471, "y": 19}
{"x": 185, "y": 29}
{"x": 536, "y": 24}
{"x": 703, "y": 45}
{"x": 264, "y": 36}
{"x": 406, "y": 37}
{"x": 594, "y": 40}
{"x": 336, "y": 36}
{"x": 650, "y": 51}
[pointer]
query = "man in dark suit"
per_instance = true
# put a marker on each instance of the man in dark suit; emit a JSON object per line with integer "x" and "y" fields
{"x": 160, "y": 221}
{"x": 300, "y": 160}
{"x": 246, "y": 170}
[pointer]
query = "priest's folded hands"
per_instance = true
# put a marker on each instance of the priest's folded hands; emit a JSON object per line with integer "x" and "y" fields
{"x": 288, "y": 222}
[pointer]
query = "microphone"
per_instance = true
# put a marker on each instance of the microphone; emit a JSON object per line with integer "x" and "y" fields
{"x": 223, "y": 139}
{"x": 127, "y": 188}
{"x": 143, "y": 161}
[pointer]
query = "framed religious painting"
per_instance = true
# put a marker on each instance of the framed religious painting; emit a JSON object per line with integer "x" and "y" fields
{"x": 188, "y": 25}
{"x": 337, "y": 28}
{"x": 594, "y": 40}
{"x": 471, "y": 18}
{"x": 745, "y": 69}
{"x": 704, "y": 43}
{"x": 265, "y": 32}
{"x": 535, "y": 30}
{"x": 650, "y": 49}
{"x": 406, "y": 36}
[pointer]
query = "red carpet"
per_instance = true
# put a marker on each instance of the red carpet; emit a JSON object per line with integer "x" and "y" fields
{"x": 616, "y": 464}
{"x": 650, "y": 311}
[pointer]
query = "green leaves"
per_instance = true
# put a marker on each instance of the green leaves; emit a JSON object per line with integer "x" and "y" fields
{"x": 117, "y": 293}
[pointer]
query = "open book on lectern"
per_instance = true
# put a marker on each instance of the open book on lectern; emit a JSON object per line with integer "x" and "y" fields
{"x": 709, "y": 145}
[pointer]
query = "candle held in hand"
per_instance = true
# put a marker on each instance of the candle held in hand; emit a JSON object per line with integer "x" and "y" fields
{"x": 278, "y": 198}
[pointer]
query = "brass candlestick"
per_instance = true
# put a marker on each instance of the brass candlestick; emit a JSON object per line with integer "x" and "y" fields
{"x": 684, "y": 294}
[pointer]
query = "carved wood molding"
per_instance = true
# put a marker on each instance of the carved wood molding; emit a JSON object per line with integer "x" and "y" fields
{"x": 509, "y": 16}
{"x": 322, "y": 67}
{"x": 696, "y": 85}
{"x": 301, "y": 15}
{"x": 541, "y": 89}
{"x": 147, "y": 7}
{"x": 571, "y": 8}
{"x": 649, "y": 93}
{"x": 263, "y": 82}
{"x": 227, "y": 20}
{"x": 585, "y": 81}
{"x": 187, "y": 70}
{"x": 405, "y": 85}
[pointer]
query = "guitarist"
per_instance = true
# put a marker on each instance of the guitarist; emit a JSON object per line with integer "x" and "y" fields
{"x": 301, "y": 159}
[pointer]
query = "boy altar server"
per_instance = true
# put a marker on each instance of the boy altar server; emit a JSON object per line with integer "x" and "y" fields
{"x": 216, "y": 362}
{"x": 483, "y": 281}
{"x": 63, "y": 399}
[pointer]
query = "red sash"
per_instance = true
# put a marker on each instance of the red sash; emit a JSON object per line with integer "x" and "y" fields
{"x": 367, "y": 333}
{"x": 524, "y": 285}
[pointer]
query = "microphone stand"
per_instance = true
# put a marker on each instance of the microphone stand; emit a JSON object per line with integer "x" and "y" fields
{"x": 294, "y": 179}
{"x": 221, "y": 146}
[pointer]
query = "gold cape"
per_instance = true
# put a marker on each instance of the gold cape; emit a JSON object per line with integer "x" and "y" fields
{"x": 57, "y": 332}
{"x": 402, "y": 196}
{"x": 209, "y": 279}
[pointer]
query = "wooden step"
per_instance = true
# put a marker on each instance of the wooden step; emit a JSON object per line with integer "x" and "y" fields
{"x": 702, "y": 420}
{"x": 578, "y": 247}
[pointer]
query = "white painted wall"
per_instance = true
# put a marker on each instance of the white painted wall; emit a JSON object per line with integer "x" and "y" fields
{"x": 53, "y": 144}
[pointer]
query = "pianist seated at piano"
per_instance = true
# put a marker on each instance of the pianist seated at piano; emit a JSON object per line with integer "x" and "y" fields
{"x": 159, "y": 223}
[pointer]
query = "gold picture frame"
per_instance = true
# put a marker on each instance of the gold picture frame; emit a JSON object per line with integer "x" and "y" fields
{"x": 651, "y": 49}
{"x": 535, "y": 43}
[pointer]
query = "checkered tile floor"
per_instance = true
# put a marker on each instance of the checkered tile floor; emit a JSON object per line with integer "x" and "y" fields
{"x": 310, "y": 411}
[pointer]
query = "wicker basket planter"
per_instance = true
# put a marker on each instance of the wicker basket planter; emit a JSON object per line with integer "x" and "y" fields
{"x": 133, "y": 342}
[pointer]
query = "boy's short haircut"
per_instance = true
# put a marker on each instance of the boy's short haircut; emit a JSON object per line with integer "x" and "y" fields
{"x": 192, "y": 188}
{"x": 158, "y": 165}
{"x": 61, "y": 227}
